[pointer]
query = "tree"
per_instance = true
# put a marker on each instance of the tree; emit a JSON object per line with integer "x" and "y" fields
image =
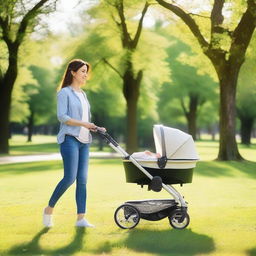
{"x": 246, "y": 111}
{"x": 131, "y": 78}
{"x": 41, "y": 98}
{"x": 19, "y": 106}
{"x": 246, "y": 95}
{"x": 16, "y": 19}
{"x": 116, "y": 45}
{"x": 226, "y": 50}
{"x": 190, "y": 88}
{"x": 107, "y": 107}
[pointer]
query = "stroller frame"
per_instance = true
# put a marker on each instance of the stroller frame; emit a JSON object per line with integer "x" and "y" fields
{"x": 175, "y": 209}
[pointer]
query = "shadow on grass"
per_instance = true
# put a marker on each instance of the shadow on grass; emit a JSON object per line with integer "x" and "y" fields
{"x": 23, "y": 168}
{"x": 165, "y": 242}
{"x": 33, "y": 247}
{"x": 252, "y": 252}
{"x": 204, "y": 168}
{"x": 226, "y": 168}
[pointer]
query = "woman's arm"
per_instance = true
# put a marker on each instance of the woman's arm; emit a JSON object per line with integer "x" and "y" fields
{"x": 74, "y": 122}
{"x": 62, "y": 106}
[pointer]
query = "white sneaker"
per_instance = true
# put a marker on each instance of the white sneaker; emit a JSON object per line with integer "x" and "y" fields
{"x": 47, "y": 220}
{"x": 84, "y": 223}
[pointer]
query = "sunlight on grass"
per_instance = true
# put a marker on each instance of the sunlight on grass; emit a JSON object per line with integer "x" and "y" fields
{"x": 207, "y": 149}
{"x": 221, "y": 200}
{"x": 41, "y": 144}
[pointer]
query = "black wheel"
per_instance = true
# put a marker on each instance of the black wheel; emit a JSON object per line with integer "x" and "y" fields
{"x": 179, "y": 219}
{"x": 127, "y": 216}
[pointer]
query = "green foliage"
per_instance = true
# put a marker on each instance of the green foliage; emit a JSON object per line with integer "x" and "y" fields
{"x": 101, "y": 46}
{"x": 186, "y": 82}
{"x": 246, "y": 89}
{"x": 42, "y": 96}
{"x": 19, "y": 107}
{"x": 35, "y": 88}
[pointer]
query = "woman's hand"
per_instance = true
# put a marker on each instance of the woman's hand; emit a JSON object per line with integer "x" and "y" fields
{"x": 90, "y": 126}
{"x": 102, "y": 129}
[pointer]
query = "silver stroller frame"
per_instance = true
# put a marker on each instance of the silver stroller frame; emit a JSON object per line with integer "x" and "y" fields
{"x": 132, "y": 211}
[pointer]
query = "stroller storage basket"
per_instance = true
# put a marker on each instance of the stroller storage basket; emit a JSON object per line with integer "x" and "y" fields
{"x": 168, "y": 175}
{"x": 153, "y": 205}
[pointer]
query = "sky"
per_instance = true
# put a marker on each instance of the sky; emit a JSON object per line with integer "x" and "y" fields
{"x": 67, "y": 12}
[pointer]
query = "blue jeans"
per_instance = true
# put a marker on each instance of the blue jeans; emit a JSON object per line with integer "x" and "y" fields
{"x": 75, "y": 157}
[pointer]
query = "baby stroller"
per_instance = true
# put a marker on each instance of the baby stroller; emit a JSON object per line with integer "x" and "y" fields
{"x": 175, "y": 166}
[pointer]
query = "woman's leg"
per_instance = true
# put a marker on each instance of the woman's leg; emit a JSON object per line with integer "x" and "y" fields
{"x": 82, "y": 180}
{"x": 70, "y": 154}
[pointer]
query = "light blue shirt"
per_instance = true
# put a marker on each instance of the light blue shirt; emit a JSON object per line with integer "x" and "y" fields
{"x": 69, "y": 106}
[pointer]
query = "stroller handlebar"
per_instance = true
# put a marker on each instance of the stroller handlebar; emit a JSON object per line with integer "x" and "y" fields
{"x": 104, "y": 135}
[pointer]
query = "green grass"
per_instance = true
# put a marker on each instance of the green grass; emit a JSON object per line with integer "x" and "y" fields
{"x": 222, "y": 208}
{"x": 41, "y": 144}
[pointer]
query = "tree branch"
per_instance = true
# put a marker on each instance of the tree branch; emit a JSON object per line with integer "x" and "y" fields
{"x": 2, "y": 23}
{"x": 112, "y": 67}
{"x": 183, "y": 106}
{"x": 198, "y": 15}
{"x": 216, "y": 15}
{"x": 25, "y": 21}
{"x": 188, "y": 20}
{"x": 139, "y": 29}
{"x": 4, "y": 26}
{"x": 113, "y": 18}
{"x": 244, "y": 30}
{"x": 126, "y": 38}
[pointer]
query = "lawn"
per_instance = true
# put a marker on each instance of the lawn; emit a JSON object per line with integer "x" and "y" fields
{"x": 222, "y": 208}
{"x": 41, "y": 144}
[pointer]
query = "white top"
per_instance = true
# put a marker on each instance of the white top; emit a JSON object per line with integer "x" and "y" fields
{"x": 84, "y": 132}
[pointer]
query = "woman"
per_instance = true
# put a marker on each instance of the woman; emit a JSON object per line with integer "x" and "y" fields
{"x": 73, "y": 112}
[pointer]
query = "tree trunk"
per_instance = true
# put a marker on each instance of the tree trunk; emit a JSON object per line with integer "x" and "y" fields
{"x": 131, "y": 85}
{"x": 30, "y": 125}
{"x": 210, "y": 131}
{"x": 6, "y": 87}
{"x": 131, "y": 126}
{"x": 5, "y": 104}
{"x": 228, "y": 149}
{"x": 246, "y": 130}
{"x": 192, "y": 114}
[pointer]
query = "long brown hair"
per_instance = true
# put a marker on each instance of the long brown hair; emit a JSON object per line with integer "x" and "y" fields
{"x": 73, "y": 65}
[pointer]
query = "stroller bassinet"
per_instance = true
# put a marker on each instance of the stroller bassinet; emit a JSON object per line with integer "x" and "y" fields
{"x": 178, "y": 159}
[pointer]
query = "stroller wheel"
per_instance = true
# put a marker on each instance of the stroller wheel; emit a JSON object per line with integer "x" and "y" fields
{"x": 127, "y": 216}
{"x": 179, "y": 219}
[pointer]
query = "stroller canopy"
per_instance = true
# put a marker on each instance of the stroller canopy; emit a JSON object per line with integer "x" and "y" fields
{"x": 174, "y": 144}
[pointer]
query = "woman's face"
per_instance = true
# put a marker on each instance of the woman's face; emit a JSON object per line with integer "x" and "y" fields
{"x": 80, "y": 75}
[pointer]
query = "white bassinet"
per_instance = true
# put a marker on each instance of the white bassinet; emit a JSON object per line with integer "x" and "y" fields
{"x": 176, "y": 165}
{"x": 178, "y": 147}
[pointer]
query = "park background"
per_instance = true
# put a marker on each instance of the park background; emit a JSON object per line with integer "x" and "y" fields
{"x": 187, "y": 65}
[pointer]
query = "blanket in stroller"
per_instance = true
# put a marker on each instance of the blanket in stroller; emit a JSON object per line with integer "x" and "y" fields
{"x": 146, "y": 155}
